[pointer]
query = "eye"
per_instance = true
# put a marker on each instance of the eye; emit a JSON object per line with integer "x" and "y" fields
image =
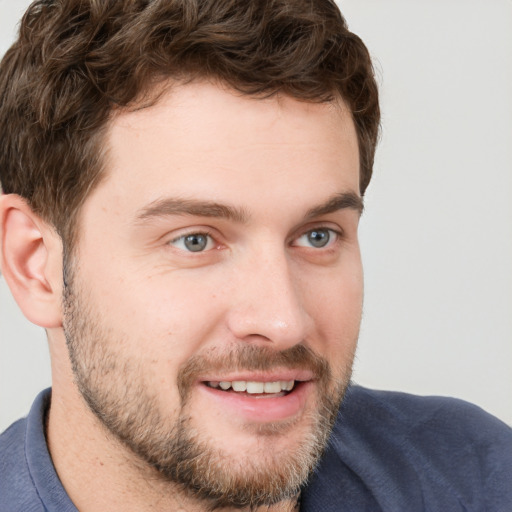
{"x": 317, "y": 238}
{"x": 193, "y": 242}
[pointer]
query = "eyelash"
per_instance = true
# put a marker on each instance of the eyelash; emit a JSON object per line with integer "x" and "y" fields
{"x": 183, "y": 237}
{"x": 338, "y": 235}
{"x": 330, "y": 241}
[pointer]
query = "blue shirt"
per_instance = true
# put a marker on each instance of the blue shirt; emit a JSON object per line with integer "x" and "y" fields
{"x": 389, "y": 452}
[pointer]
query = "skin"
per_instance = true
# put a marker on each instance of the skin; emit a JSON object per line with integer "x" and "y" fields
{"x": 274, "y": 164}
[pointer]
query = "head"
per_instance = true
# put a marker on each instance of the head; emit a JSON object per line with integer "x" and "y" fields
{"x": 202, "y": 164}
{"x": 76, "y": 63}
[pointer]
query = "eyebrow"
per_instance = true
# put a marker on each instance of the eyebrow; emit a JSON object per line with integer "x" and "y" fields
{"x": 179, "y": 206}
{"x": 342, "y": 201}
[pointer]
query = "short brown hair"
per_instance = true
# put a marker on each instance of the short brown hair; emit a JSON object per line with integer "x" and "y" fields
{"x": 75, "y": 61}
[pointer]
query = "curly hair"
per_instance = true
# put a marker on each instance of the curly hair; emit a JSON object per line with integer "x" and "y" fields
{"x": 76, "y": 61}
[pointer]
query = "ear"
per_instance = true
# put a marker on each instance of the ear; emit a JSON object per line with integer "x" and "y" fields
{"x": 31, "y": 261}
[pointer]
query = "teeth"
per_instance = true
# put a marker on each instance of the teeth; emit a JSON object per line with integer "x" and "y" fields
{"x": 254, "y": 387}
{"x": 272, "y": 387}
{"x": 287, "y": 385}
{"x": 239, "y": 385}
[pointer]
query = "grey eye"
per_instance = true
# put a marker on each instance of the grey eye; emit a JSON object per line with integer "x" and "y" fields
{"x": 196, "y": 242}
{"x": 319, "y": 237}
{"x": 193, "y": 242}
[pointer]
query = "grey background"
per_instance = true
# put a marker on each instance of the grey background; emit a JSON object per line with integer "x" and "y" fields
{"x": 437, "y": 232}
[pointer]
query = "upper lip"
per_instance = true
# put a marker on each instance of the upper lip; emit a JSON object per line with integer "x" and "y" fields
{"x": 273, "y": 376}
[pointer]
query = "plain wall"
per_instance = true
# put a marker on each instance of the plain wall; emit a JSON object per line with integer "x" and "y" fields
{"x": 436, "y": 235}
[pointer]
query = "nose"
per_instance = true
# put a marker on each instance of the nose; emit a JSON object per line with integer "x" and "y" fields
{"x": 266, "y": 303}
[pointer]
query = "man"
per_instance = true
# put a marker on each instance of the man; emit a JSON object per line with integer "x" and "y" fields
{"x": 182, "y": 188}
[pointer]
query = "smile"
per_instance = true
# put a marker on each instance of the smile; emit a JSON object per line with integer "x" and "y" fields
{"x": 259, "y": 398}
{"x": 253, "y": 387}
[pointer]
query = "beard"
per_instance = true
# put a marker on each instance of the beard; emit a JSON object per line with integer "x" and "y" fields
{"x": 117, "y": 389}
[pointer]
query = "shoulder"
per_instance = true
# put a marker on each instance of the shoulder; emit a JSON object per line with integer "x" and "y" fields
{"x": 421, "y": 416}
{"x": 396, "y": 451}
{"x": 11, "y": 446}
{"x": 17, "y": 489}
{"x": 450, "y": 430}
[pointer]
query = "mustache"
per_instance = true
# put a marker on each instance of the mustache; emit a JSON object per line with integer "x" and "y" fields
{"x": 251, "y": 358}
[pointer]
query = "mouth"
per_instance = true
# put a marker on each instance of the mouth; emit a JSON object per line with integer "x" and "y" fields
{"x": 259, "y": 396}
{"x": 260, "y": 399}
{"x": 257, "y": 389}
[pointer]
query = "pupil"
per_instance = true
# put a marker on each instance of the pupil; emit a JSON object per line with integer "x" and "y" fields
{"x": 319, "y": 238}
{"x": 195, "y": 243}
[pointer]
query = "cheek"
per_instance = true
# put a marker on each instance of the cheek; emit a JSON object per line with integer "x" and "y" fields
{"x": 182, "y": 308}
{"x": 144, "y": 323}
{"x": 155, "y": 305}
{"x": 335, "y": 305}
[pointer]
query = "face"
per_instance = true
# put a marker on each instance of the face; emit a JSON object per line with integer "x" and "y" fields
{"x": 214, "y": 297}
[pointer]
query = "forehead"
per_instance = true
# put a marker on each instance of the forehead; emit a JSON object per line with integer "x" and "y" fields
{"x": 206, "y": 107}
{"x": 205, "y": 139}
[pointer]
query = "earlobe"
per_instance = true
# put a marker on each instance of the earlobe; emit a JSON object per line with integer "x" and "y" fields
{"x": 31, "y": 256}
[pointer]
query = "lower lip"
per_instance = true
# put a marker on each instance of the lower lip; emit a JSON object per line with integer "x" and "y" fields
{"x": 260, "y": 409}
